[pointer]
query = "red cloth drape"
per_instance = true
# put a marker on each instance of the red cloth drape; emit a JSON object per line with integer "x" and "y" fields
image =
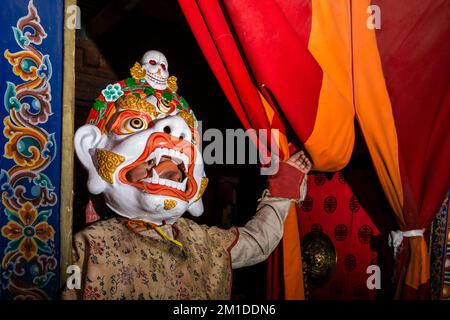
{"x": 411, "y": 53}
{"x": 316, "y": 65}
{"x": 252, "y": 104}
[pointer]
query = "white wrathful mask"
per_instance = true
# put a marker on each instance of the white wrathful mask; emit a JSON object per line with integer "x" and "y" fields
{"x": 140, "y": 148}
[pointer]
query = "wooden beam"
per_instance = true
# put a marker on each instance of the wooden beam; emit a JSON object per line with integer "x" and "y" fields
{"x": 67, "y": 148}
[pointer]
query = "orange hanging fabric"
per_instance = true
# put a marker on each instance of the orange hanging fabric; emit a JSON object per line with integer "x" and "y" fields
{"x": 318, "y": 64}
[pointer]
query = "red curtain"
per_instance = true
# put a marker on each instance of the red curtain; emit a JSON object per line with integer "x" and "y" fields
{"x": 315, "y": 66}
{"x": 254, "y": 106}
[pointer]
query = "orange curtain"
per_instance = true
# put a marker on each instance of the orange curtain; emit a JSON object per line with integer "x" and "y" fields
{"x": 314, "y": 67}
{"x": 402, "y": 103}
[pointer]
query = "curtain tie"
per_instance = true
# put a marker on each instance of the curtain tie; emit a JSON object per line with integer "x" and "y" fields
{"x": 396, "y": 238}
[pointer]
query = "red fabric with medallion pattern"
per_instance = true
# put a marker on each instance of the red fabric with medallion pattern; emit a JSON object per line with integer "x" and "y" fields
{"x": 332, "y": 207}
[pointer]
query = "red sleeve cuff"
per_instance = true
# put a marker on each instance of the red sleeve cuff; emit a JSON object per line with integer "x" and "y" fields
{"x": 286, "y": 182}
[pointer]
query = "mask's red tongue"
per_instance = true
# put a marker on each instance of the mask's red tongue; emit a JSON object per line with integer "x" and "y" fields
{"x": 168, "y": 170}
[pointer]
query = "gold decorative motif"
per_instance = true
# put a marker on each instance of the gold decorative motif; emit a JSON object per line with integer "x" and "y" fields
{"x": 187, "y": 117}
{"x": 108, "y": 162}
{"x": 131, "y": 102}
{"x": 172, "y": 83}
{"x": 137, "y": 71}
{"x": 169, "y": 204}
{"x": 319, "y": 256}
{"x": 203, "y": 185}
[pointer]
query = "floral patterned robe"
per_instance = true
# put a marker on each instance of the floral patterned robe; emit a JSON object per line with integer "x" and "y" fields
{"x": 118, "y": 261}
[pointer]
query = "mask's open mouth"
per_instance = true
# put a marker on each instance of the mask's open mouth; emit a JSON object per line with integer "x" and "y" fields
{"x": 165, "y": 167}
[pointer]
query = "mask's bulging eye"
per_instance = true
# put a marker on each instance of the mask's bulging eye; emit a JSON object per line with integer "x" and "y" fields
{"x": 132, "y": 125}
{"x": 136, "y": 123}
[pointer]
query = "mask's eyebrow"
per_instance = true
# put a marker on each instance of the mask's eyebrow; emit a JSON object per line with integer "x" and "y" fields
{"x": 111, "y": 123}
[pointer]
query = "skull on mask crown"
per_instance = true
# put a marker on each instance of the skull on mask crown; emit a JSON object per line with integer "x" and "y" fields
{"x": 157, "y": 69}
